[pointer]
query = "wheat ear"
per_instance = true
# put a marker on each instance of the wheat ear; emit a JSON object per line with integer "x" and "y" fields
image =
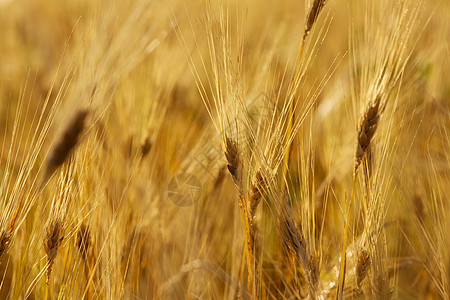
{"x": 235, "y": 168}
{"x": 366, "y": 131}
{"x": 67, "y": 143}
{"x": 52, "y": 240}
{"x": 256, "y": 194}
{"x": 295, "y": 241}
{"x": 234, "y": 163}
{"x": 362, "y": 266}
{"x": 313, "y": 13}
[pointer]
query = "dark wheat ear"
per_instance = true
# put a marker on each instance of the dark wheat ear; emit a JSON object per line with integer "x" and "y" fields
{"x": 146, "y": 146}
{"x": 67, "y": 143}
{"x": 313, "y": 13}
{"x": 366, "y": 131}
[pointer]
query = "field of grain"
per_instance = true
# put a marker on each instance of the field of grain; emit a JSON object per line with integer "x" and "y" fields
{"x": 224, "y": 149}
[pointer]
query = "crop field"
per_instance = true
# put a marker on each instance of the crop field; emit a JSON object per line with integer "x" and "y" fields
{"x": 293, "y": 149}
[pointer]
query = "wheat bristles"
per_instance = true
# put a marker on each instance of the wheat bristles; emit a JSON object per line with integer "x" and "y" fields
{"x": 83, "y": 240}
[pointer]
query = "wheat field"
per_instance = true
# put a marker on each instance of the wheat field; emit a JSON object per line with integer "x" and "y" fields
{"x": 225, "y": 149}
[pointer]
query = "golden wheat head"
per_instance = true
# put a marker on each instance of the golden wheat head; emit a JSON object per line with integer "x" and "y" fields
{"x": 232, "y": 156}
